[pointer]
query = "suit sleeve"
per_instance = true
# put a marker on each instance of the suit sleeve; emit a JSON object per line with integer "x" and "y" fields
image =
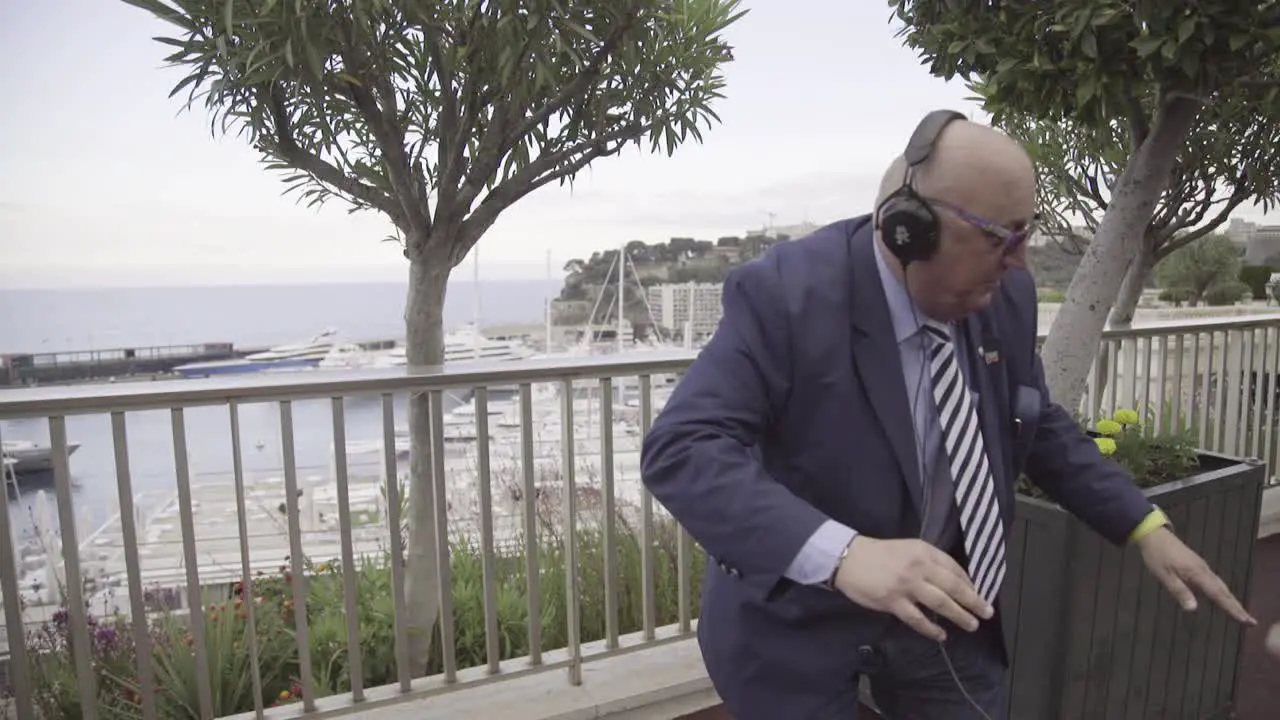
{"x": 701, "y": 457}
{"x": 1066, "y": 463}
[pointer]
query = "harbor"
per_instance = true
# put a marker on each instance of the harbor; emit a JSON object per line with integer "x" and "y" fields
{"x": 215, "y": 508}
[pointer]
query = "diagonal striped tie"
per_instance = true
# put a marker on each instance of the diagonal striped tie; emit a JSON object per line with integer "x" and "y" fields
{"x": 970, "y": 470}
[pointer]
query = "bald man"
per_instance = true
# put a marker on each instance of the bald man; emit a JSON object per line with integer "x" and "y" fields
{"x": 846, "y": 445}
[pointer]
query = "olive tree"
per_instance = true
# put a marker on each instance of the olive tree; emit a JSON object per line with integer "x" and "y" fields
{"x": 1147, "y": 68}
{"x": 1226, "y": 161}
{"x": 440, "y": 115}
{"x": 1205, "y": 270}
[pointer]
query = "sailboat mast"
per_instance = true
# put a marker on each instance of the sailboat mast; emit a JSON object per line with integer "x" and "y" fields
{"x": 547, "y": 313}
{"x": 622, "y": 291}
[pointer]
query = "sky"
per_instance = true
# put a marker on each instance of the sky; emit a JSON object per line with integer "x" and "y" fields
{"x": 105, "y": 180}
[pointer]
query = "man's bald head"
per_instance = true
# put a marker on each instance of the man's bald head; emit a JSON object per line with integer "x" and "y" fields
{"x": 965, "y": 155}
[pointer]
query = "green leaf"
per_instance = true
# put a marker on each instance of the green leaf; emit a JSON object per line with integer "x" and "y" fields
{"x": 1089, "y": 45}
{"x": 1085, "y": 90}
{"x": 1147, "y": 45}
{"x": 1186, "y": 29}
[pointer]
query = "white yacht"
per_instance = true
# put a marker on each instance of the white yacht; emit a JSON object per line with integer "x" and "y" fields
{"x": 296, "y": 356}
{"x": 29, "y": 457}
{"x": 465, "y": 344}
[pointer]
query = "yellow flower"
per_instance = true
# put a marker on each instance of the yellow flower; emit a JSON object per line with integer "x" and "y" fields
{"x": 1106, "y": 445}
{"x": 1127, "y": 417}
{"x": 1109, "y": 427}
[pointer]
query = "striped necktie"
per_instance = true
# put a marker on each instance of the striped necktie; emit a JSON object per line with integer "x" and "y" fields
{"x": 970, "y": 470}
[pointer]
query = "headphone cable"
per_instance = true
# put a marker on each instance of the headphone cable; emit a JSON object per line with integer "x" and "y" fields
{"x": 925, "y": 477}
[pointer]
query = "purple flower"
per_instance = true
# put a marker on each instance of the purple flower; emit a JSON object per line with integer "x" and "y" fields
{"x": 106, "y": 640}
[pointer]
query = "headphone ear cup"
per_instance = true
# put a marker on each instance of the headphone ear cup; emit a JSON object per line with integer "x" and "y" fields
{"x": 909, "y": 228}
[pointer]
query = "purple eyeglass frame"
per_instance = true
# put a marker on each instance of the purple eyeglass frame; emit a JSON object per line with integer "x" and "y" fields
{"x": 1012, "y": 239}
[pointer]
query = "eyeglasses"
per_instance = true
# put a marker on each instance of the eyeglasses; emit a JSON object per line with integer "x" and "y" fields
{"x": 1010, "y": 238}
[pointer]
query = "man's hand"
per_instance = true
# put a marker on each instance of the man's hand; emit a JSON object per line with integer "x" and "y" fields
{"x": 1273, "y": 640}
{"x": 1180, "y": 569}
{"x": 899, "y": 576}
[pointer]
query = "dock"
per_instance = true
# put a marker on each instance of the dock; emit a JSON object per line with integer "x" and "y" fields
{"x": 24, "y": 369}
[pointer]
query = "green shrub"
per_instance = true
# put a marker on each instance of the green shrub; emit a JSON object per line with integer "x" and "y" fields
{"x": 228, "y": 647}
{"x": 1256, "y": 277}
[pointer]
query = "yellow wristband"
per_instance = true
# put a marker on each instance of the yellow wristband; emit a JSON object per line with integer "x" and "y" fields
{"x": 1154, "y": 520}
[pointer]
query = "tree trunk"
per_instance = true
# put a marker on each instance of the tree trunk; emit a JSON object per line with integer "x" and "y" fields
{"x": 424, "y": 337}
{"x": 1131, "y": 289}
{"x": 1122, "y": 316}
{"x": 1076, "y": 332}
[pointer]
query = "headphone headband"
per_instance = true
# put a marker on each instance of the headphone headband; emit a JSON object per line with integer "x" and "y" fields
{"x": 925, "y": 136}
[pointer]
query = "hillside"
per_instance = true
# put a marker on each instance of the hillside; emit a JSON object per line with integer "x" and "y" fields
{"x": 592, "y": 283}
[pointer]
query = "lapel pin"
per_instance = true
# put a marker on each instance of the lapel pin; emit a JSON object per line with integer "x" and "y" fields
{"x": 991, "y": 357}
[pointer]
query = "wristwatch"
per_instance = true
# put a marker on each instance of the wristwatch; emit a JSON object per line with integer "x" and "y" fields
{"x": 830, "y": 582}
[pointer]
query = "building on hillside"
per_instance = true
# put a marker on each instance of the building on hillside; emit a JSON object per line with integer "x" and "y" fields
{"x": 1240, "y": 231}
{"x": 790, "y": 232}
{"x": 1261, "y": 243}
{"x": 695, "y": 306}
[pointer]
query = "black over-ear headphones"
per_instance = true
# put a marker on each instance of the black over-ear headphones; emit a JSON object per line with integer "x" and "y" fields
{"x": 908, "y": 224}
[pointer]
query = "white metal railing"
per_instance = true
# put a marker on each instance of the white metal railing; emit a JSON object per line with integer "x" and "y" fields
{"x": 177, "y": 566}
{"x": 1217, "y": 378}
{"x": 295, "y": 523}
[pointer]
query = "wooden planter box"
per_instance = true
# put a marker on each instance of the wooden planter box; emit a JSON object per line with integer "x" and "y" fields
{"x": 1093, "y": 635}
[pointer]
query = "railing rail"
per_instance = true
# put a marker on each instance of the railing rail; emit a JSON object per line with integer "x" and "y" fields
{"x": 274, "y": 387}
{"x": 548, "y": 550}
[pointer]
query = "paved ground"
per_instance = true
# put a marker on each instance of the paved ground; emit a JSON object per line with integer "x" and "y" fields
{"x": 1260, "y": 673}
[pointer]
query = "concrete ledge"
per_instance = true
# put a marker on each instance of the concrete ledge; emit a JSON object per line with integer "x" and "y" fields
{"x": 1269, "y": 522}
{"x": 658, "y": 683}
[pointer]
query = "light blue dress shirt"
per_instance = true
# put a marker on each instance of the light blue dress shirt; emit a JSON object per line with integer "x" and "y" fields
{"x": 817, "y": 559}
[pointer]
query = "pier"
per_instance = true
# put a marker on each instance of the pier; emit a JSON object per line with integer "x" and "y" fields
{"x": 80, "y": 365}
{"x": 72, "y": 366}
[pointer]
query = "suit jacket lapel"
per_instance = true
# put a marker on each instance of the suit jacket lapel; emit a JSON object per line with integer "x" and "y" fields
{"x": 987, "y": 362}
{"x": 877, "y": 361}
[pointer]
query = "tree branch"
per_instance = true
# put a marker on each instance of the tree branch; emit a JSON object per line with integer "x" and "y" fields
{"x": 454, "y": 123}
{"x": 577, "y": 85}
{"x": 545, "y": 169}
{"x": 1139, "y": 124}
{"x": 389, "y": 133}
{"x": 500, "y": 136}
{"x": 1175, "y": 243}
{"x": 493, "y": 142}
{"x": 288, "y": 149}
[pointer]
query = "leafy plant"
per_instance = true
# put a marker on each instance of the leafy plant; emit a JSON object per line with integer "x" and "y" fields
{"x": 1151, "y": 458}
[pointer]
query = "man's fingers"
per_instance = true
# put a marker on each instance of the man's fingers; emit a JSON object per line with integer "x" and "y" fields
{"x": 956, "y": 583}
{"x": 937, "y": 600}
{"x": 907, "y": 612}
{"x": 948, "y": 563}
{"x": 1178, "y": 589}
{"x": 1217, "y": 591}
{"x": 962, "y": 591}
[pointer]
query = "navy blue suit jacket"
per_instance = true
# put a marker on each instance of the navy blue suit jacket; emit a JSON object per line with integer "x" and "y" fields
{"x": 796, "y": 412}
